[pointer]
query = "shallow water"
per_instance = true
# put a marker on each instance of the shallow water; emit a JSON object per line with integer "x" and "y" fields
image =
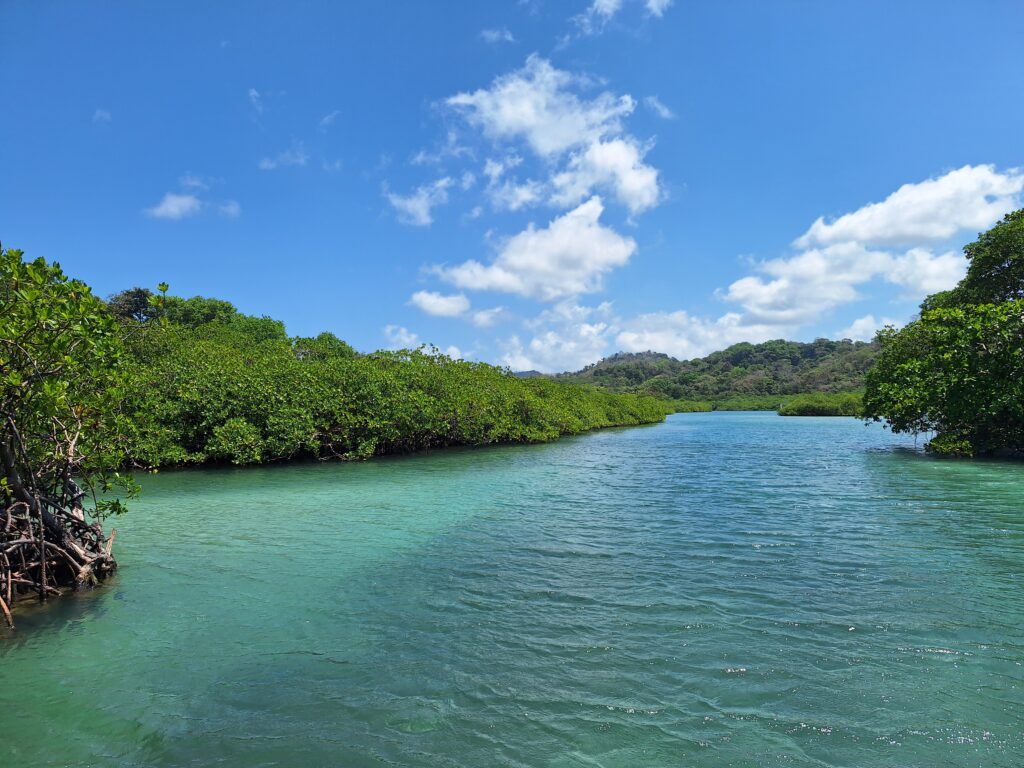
{"x": 718, "y": 590}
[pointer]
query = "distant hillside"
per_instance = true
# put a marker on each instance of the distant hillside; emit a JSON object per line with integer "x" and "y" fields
{"x": 772, "y": 368}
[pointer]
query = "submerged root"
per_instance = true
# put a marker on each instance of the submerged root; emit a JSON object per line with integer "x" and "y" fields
{"x": 46, "y": 549}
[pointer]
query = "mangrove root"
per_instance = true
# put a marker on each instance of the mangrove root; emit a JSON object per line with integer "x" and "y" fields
{"x": 45, "y": 549}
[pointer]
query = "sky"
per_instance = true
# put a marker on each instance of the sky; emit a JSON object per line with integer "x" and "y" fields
{"x": 530, "y": 183}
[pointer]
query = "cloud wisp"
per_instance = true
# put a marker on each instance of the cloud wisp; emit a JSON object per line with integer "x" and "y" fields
{"x": 416, "y": 209}
{"x": 295, "y": 157}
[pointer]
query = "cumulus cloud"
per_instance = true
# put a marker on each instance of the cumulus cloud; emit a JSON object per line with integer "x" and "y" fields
{"x": 616, "y": 166}
{"x": 175, "y": 206}
{"x": 568, "y": 257}
{"x": 536, "y": 104}
{"x": 922, "y": 272}
{"x": 783, "y": 296}
{"x": 500, "y": 35}
{"x": 543, "y": 108}
{"x": 864, "y": 328}
{"x": 400, "y": 337}
{"x": 885, "y": 241}
{"x": 934, "y": 210}
{"x": 566, "y": 337}
{"x": 440, "y": 305}
{"x": 416, "y": 208}
{"x": 296, "y": 156}
{"x": 800, "y": 289}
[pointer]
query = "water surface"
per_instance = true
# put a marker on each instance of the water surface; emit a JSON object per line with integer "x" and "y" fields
{"x": 719, "y": 590}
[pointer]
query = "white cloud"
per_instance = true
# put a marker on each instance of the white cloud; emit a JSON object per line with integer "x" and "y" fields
{"x": 656, "y": 106}
{"x": 439, "y": 304}
{"x": 332, "y": 166}
{"x": 453, "y": 352}
{"x": 841, "y": 256}
{"x": 616, "y": 165}
{"x": 101, "y": 116}
{"x": 256, "y": 100}
{"x": 543, "y": 108}
{"x": 175, "y": 206}
{"x": 494, "y": 169}
{"x": 922, "y": 272}
{"x": 415, "y": 209}
{"x": 534, "y": 103}
{"x": 296, "y": 156}
{"x": 684, "y": 336}
{"x": 485, "y": 318}
{"x": 566, "y": 337}
{"x": 400, "y": 337}
{"x": 934, "y": 210}
{"x": 512, "y": 196}
{"x": 863, "y": 328}
{"x": 230, "y": 209}
{"x": 800, "y": 289}
{"x": 467, "y": 181}
{"x": 501, "y": 35}
{"x": 657, "y": 7}
{"x": 567, "y": 258}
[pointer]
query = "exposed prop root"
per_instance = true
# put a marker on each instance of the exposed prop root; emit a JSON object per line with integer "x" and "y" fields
{"x": 46, "y": 548}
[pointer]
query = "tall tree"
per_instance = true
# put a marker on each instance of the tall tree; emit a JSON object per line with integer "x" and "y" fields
{"x": 958, "y": 370}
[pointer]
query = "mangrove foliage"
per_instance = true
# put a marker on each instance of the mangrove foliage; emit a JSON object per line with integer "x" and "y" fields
{"x": 958, "y": 370}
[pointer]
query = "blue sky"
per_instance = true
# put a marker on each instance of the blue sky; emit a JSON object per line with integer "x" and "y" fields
{"x": 535, "y": 184}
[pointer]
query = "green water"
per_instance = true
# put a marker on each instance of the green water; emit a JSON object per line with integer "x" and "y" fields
{"x": 719, "y": 590}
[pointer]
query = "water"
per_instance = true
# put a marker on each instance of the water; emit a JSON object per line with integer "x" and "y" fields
{"x": 719, "y": 590}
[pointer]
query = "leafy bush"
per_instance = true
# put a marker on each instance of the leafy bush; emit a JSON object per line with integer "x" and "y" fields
{"x": 823, "y": 404}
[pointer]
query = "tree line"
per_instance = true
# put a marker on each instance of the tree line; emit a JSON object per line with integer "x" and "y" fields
{"x": 762, "y": 375}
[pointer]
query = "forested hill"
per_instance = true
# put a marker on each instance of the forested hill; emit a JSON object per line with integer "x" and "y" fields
{"x": 772, "y": 368}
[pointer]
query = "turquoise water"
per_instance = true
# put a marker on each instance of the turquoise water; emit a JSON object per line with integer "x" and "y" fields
{"x": 719, "y": 590}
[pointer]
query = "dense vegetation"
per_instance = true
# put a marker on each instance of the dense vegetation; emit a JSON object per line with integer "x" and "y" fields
{"x": 822, "y": 404}
{"x": 958, "y": 370}
{"x": 211, "y": 384}
{"x": 742, "y": 377}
